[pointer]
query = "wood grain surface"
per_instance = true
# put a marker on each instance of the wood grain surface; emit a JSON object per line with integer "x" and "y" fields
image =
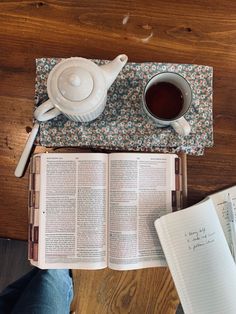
{"x": 200, "y": 32}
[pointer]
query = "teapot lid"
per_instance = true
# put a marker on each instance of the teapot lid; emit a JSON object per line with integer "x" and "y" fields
{"x": 76, "y": 85}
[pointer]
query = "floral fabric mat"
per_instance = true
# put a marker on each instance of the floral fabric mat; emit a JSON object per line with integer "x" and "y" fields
{"x": 123, "y": 124}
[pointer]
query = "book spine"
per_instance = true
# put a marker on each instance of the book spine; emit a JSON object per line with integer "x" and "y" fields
{"x": 33, "y": 208}
{"x": 177, "y": 194}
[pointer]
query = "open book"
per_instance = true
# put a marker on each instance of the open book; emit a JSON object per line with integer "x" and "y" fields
{"x": 95, "y": 210}
{"x": 196, "y": 242}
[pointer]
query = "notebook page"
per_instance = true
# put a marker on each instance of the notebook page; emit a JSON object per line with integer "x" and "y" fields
{"x": 199, "y": 259}
{"x": 220, "y": 201}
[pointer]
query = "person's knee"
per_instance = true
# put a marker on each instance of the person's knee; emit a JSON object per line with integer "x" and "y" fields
{"x": 58, "y": 278}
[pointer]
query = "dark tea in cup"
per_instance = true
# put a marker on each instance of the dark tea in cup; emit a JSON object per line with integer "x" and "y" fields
{"x": 164, "y": 100}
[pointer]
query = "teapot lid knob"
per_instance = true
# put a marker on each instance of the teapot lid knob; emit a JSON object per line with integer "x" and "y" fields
{"x": 75, "y": 83}
{"x": 75, "y": 80}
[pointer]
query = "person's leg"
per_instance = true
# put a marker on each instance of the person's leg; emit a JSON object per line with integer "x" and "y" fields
{"x": 10, "y": 295}
{"x": 49, "y": 292}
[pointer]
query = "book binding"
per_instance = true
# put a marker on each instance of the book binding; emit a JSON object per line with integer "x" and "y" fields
{"x": 177, "y": 194}
{"x": 33, "y": 208}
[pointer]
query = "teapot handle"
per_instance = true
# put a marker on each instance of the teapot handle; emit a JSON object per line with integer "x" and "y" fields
{"x": 46, "y": 111}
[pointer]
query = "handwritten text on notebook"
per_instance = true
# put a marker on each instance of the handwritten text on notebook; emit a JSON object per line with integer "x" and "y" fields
{"x": 198, "y": 238}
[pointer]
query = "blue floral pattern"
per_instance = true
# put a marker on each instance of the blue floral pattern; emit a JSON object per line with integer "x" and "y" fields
{"x": 123, "y": 125}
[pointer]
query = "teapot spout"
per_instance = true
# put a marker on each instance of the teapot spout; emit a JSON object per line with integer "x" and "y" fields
{"x": 112, "y": 69}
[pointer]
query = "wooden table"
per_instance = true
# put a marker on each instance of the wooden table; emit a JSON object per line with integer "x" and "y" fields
{"x": 200, "y": 32}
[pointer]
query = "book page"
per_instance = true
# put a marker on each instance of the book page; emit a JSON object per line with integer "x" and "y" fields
{"x": 199, "y": 259}
{"x": 140, "y": 191}
{"x": 73, "y": 207}
{"x": 220, "y": 201}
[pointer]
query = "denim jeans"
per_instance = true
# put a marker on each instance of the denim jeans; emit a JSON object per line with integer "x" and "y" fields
{"x": 39, "y": 292}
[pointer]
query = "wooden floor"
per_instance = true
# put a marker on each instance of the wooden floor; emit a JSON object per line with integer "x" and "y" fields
{"x": 124, "y": 292}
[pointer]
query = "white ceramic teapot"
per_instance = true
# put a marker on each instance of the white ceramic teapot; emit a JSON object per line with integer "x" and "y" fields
{"x": 77, "y": 88}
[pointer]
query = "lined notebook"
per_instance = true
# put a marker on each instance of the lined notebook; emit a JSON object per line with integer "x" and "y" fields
{"x": 194, "y": 241}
